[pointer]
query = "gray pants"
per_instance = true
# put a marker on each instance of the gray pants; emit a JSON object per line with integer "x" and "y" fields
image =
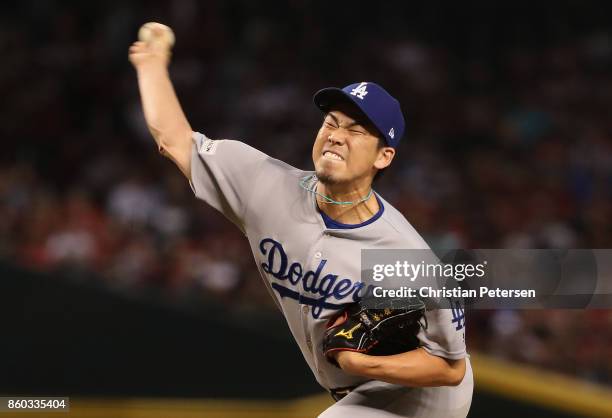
{"x": 377, "y": 399}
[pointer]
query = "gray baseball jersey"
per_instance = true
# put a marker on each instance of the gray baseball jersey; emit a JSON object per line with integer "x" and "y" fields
{"x": 313, "y": 271}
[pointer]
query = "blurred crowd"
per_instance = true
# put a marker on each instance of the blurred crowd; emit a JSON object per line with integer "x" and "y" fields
{"x": 508, "y": 142}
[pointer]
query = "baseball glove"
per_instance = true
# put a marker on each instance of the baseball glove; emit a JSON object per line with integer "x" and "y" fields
{"x": 375, "y": 327}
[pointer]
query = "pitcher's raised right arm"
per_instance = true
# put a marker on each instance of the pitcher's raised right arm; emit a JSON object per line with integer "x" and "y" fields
{"x": 163, "y": 113}
{"x": 223, "y": 173}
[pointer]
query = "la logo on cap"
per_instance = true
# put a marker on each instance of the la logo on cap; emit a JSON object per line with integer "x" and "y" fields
{"x": 360, "y": 91}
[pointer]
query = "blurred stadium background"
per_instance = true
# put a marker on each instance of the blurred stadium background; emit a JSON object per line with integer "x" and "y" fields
{"x": 113, "y": 276}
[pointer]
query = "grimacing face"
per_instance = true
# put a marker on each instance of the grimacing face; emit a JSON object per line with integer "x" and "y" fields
{"x": 347, "y": 150}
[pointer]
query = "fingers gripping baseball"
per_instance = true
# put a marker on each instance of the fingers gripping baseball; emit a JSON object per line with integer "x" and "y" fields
{"x": 154, "y": 45}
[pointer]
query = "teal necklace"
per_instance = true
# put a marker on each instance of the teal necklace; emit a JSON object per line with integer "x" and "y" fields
{"x": 312, "y": 189}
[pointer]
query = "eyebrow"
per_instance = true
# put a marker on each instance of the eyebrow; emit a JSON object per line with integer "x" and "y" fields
{"x": 354, "y": 123}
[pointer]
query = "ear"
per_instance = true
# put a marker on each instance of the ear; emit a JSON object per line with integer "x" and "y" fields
{"x": 384, "y": 158}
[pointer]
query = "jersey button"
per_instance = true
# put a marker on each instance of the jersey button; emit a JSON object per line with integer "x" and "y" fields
{"x": 305, "y": 309}
{"x": 318, "y": 254}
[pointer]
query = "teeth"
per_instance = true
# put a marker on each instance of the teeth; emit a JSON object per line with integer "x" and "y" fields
{"x": 332, "y": 155}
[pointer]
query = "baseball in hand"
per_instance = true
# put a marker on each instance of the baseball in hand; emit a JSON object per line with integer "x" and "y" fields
{"x": 156, "y": 33}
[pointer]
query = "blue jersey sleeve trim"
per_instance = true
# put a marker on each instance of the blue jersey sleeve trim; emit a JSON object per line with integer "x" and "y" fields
{"x": 332, "y": 224}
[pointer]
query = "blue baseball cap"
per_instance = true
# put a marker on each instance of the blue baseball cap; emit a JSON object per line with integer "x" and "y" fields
{"x": 378, "y": 106}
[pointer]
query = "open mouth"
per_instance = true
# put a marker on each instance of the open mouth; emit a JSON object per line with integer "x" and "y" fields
{"x": 332, "y": 156}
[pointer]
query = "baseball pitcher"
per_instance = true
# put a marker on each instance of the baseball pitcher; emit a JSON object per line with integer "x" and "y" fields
{"x": 306, "y": 230}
